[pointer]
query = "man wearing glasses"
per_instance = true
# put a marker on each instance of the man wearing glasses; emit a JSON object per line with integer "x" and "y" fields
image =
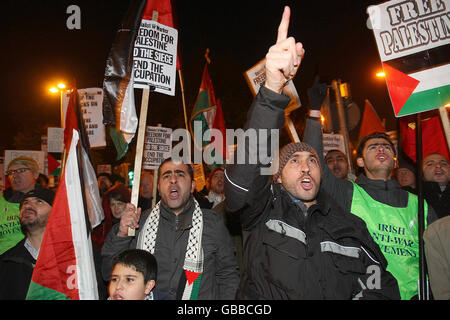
{"x": 22, "y": 173}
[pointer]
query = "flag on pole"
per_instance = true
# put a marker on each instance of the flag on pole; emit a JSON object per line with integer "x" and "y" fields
{"x": 433, "y": 138}
{"x": 119, "y": 109}
{"x": 65, "y": 265}
{"x": 117, "y": 78}
{"x": 207, "y": 114}
{"x": 74, "y": 121}
{"x": 370, "y": 122}
{"x": 54, "y": 165}
{"x": 219, "y": 124}
{"x": 161, "y": 11}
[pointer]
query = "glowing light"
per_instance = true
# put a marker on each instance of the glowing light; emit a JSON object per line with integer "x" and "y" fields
{"x": 381, "y": 74}
{"x": 53, "y": 90}
{"x": 61, "y": 85}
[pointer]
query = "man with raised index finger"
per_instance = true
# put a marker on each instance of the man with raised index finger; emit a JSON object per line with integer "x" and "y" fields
{"x": 298, "y": 243}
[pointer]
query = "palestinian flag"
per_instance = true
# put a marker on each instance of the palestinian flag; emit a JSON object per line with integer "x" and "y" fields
{"x": 54, "y": 164}
{"x": 119, "y": 109}
{"x": 74, "y": 121}
{"x": 418, "y": 91}
{"x": 414, "y": 48}
{"x": 206, "y": 115}
{"x": 65, "y": 265}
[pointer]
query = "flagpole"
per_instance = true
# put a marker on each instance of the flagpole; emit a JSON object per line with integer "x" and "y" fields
{"x": 421, "y": 220}
{"x": 342, "y": 121}
{"x": 139, "y": 151}
{"x": 180, "y": 75}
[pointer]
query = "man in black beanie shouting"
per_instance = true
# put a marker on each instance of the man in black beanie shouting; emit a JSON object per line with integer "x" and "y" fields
{"x": 298, "y": 243}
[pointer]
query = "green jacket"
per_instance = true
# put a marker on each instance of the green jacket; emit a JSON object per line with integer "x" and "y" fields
{"x": 10, "y": 230}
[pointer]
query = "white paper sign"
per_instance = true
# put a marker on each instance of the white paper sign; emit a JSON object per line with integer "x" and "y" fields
{"x": 155, "y": 57}
{"x": 157, "y": 146}
{"x": 333, "y": 142}
{"x": 36, "y": 155}
{"x": 55, "y": 140}
{"x": 256, "y": 76}
{"x": 91, "y": 100}
{"x": 403, "y": 28}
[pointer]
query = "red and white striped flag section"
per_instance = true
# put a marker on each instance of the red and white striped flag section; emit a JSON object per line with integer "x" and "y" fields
{"x": 65, "y": 266}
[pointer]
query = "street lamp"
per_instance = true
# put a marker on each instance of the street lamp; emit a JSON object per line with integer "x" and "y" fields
{"x": 59, "y": 88}
{"x": 380, "y": 74}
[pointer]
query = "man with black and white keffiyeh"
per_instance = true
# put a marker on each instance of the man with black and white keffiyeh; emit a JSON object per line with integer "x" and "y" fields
{"x": 192, "y": 246}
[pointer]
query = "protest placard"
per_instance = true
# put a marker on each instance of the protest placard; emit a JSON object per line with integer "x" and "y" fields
{"x": 55, "y": 140}
{"x": 91, "y": 100}
{"x": 256, "y": 76}
{"x": 333, "y": 142}
{"x": 157, "y": 146}
{"x": 413, "y": 41}
{"x": 155, "y": 57}
{"x": 39, "y": 156}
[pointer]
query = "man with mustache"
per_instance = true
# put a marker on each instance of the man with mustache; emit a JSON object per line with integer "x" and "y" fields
{"x": 191, "y": 244}
{"x": 17, "y": 264}
{"x": 298, "y": 243}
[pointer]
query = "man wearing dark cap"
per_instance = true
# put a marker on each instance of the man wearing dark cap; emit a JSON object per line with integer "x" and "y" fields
{"x": 17, "y": 264}
{"x": 298, "y": 243}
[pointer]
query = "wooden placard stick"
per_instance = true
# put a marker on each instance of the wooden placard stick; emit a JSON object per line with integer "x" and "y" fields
{"x": 155, "y": 181}
{"x": 291, "y": 129}
{"x": 139, "y": 152}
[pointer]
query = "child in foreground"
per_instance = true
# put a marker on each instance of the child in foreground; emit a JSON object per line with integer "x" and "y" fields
{"x": 133, "y": 277}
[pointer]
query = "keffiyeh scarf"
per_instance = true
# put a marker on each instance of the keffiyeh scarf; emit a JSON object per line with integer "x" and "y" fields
{"x": 193, "y": 260}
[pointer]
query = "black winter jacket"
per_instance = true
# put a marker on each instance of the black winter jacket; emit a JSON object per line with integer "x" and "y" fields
{"x": 439, "y": 200}
{"x": 16, "y": 269}
{"x": 327, "y": 254}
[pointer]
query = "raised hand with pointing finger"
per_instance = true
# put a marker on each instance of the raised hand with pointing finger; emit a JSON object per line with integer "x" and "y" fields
{"x": 284, "y": 57}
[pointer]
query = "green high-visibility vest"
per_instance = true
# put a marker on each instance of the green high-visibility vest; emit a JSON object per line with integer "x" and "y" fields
{"x": 10, "y": 230}
{"x": 395, "y": 230}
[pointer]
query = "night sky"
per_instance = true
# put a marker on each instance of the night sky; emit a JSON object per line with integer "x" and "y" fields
{"x": 38, "y": 50}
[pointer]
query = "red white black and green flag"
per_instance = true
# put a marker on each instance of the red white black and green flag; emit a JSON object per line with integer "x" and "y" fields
{"x": 119, "y": 110}
{"x": 65, "y": 266}
{"x": 207, "y": 123}
{"x": 413, "y": 41}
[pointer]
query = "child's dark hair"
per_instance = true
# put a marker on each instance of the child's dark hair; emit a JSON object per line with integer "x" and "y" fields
{"x": 141, "y": 260}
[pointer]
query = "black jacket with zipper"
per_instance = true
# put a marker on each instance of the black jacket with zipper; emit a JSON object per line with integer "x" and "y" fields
{"x": 291, "y": 252}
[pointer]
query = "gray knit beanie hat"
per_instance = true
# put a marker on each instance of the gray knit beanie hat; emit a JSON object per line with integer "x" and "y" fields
{"x": 287, "y": 152}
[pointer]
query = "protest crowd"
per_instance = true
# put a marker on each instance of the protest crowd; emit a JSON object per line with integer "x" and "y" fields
{"x": 303, "y": 225}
